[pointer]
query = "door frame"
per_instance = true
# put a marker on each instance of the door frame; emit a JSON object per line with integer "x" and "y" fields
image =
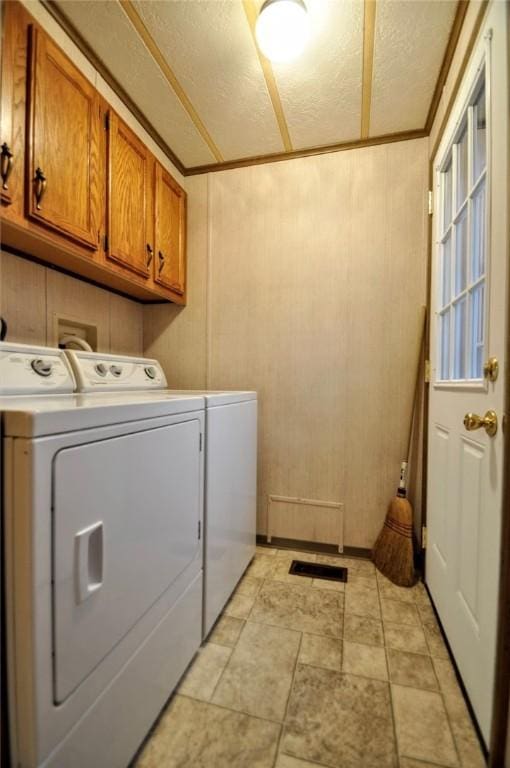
{"x": 500, "y": 730}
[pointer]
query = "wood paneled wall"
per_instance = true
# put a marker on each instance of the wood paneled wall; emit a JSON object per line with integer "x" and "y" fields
{"x": 312, "y": 275}
{"x": 32, "y": 296}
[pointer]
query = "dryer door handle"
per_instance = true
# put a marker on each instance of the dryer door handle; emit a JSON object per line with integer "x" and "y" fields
{"x": 89, "y": 561}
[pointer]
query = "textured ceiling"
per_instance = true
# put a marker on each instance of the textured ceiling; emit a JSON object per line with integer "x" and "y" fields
{"x": 193, "y": 69}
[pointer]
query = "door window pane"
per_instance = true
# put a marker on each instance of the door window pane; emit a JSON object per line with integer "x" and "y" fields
{"x": 462, "y": 164}
{"x": 479, "y": 125}
{"x": 461, "y": 246}
{"x": 476, "y": 331}
{"x": 459, "y": 354}
{"x": 446, "y": 271}
{"x": 447, "y": 196}
{"x": 444, "y": 334}
{"x": 461, "y": 253}
{"x": 478, "y": 233}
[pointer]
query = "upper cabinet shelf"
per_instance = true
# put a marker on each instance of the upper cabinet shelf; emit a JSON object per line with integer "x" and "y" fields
{"x": 79, "y": 188}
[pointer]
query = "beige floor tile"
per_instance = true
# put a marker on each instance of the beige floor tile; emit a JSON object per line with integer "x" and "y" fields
{"x": 317, "y": 611}
{"x": 269, "y": 551}
{"x": 361, "y": 629}
{"x": 420, "y": 594}
{"x": 321, "y": 651}
{"x": 397, "y": 612}
{"x": 390, "y": 591}
{"x": 193, "y": 733}
{"x": 423, "y": 731}
{"x": 335, "y": 586}
{"x": 426, "y": 613}
{"x": 362, "y": 601}
{"x": 226, "y": 631}
{"x": 281, "y": 573}
{"x": 362, "y": 581}
{"x": 239, "y": 606}
{"x": 411, "y": 669}
{"x": 365, "y": 660}
{"x": 261, "y": 566}
{"x": 249, "y": 586}
{"x": 405, "y": 637}
{"x": 352, "y": 563}
{"x": 295, "y": 554}
{"x": 205, "y": 671}
{"x": 285, "y": 761}
{"x": 339, "y": 720}
{"x": 463, "y": 730}
{"x": 258, "y": 677}
{"x": 435, "y": 640}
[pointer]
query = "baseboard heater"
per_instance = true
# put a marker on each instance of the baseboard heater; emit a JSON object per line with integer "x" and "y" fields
{"x": 334, "y": 523}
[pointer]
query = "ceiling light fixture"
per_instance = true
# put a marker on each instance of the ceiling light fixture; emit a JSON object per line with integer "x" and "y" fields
{"x": 282, "y": 29}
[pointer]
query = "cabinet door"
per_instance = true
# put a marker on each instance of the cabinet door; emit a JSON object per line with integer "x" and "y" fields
{"x": 7, "y": 98}
{"x": 12, "y": 105}
{"x": 63, "y": 144}
{"x": 170, "y": 267}
{"x": 130, "y": 189}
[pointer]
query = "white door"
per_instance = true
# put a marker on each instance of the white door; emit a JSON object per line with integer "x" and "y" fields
{"x": 468, "y": 302}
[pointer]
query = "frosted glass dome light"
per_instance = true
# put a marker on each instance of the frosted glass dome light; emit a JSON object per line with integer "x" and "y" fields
{"x": 282, "y": 29}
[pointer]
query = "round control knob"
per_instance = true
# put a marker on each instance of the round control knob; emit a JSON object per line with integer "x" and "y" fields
{"x": 116, "y": 370}
{"x": 101, "y": 369}
{"x": 41, "y": 367}
{"x": 150, "y": 371}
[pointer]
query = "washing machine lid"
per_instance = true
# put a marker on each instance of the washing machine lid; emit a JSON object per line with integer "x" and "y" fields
{"x": 27, "y": 416}
{"x": 216, "y": 398}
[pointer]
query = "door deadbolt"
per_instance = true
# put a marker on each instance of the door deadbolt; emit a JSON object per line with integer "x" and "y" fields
{"x": 491, "y": 369}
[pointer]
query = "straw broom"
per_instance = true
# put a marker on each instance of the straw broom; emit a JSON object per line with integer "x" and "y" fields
{"x": 393, "y": 552}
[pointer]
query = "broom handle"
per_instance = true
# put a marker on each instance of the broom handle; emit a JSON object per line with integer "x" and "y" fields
{"x": 417, "y": 382}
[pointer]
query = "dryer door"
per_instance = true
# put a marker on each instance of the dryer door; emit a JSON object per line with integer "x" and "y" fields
{"x": 125, "y": 526}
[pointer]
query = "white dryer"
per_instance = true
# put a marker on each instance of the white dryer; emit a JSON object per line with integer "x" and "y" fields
{"x": 102, "y": 517}
{"x": 230, "y": 466}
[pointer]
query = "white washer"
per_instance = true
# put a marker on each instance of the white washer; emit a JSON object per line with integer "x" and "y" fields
{"x": 230, "y": 460}
{"x": 102, "y": 513}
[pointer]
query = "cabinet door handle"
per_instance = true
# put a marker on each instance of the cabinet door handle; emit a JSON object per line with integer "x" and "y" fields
{"x": 161, "y": 262}
{"x": 150, "y": 254}
{"x": 6, "y": 164}
{"x": 39, "y": 187}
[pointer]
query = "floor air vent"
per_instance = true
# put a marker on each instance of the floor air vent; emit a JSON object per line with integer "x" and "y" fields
{"x": 318, "y": 571}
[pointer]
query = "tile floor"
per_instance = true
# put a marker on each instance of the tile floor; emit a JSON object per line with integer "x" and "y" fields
{"x": 301, "y": 672}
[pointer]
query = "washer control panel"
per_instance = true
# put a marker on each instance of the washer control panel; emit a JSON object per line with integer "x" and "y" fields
{"x": 28, "y": 370}
{"x": 97, "y": 372}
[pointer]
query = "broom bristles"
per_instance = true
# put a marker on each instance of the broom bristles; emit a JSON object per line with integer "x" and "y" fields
{"x": 393, "y": 551}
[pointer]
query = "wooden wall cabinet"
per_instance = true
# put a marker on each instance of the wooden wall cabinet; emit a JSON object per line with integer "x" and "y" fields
{"x": 79, "y": 189}
{"x": 170, "y": 264}
{"x": 12, "y": 104}
{"x": 62, "y": 184}
{"x": 130, "y": 218}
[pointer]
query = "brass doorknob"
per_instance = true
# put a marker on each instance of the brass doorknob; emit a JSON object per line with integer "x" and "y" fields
{"x": 489, "y": 422}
